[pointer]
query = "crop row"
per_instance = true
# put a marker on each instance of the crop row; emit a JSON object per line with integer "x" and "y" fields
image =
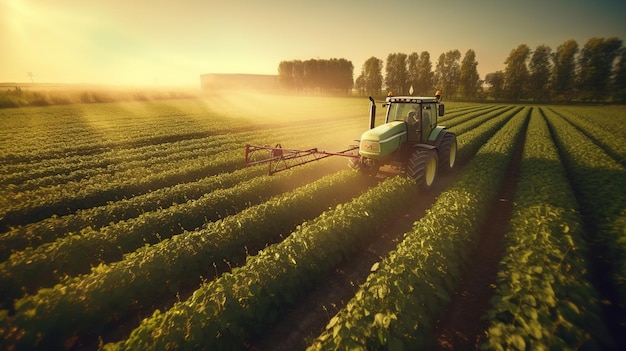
{"x": 24, "y": 176}
{"x": 398, "y": 304}
{"x": 117, "y": 168}
{"x": 544, "y": 299}
{"x": 473, "y": 117}
{"x": 613, "y": 143}
{"x": 96, "y": 128}
{"x": 462, "y": 109}
{"x": 33, "y": 268}
{"x": 49, "y": 229}
{"x": 65, "y": 169}
{"x": 105, "y": 168}
{"x": 598, "y": 182}
{"x": 610, "y": 118}
{"x": 471, "y": 124}
{"x": 97, "y": 190}
{"x": 87, "y": 303}
{"x": 26, "y": 304}
{"x": 85, "y": 129}
{"x": 473, "y": 139}
{"x": 28, "y": 207}
{"x": 224, "y": 313}
{"x": 457, "y": 112}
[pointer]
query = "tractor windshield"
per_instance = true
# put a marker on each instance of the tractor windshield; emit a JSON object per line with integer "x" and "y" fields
{"x": 403, "y": 112}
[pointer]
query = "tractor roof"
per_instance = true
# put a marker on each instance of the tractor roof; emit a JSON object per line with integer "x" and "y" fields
{"x": 412, "y": 99}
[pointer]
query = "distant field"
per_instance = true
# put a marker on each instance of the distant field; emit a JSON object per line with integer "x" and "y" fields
{"x": 134, "y": 225}
{"x": 24, "y": 95}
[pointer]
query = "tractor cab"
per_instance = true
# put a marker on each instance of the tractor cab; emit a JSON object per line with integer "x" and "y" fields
{"x": 419, "y": 113}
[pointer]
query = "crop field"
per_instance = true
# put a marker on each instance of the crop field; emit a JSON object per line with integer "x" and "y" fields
{"x": 136, "y": 226}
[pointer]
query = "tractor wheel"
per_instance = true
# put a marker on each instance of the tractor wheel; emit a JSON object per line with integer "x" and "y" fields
{"x": 354, "y": 163}
{"x": 422, "y": 167}
{"x": 363, "y": 166}
{"x": 447, "y": 152}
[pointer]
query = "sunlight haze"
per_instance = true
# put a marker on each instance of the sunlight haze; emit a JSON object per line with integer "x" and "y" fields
{"x": 159, "y": 43}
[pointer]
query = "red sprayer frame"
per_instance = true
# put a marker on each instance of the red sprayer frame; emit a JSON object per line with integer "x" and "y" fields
{"x": 280, "y": 159}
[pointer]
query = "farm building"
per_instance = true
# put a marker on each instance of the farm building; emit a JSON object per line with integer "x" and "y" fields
{"x": 257, "y": 82}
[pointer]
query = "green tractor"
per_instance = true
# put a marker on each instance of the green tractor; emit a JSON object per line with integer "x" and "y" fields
{"x": 409, "y": 140}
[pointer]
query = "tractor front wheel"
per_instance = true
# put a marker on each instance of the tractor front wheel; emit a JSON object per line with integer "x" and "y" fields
{"x": 365, "y": 166}
{"x": 422, "y": 167}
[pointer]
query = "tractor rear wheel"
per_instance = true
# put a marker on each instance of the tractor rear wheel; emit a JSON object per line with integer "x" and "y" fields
{"x": 447, "y": 152}
{"x": 422, "y": 167}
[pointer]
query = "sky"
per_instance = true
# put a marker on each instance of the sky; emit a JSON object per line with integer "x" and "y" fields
{"x": 171, "y": 43}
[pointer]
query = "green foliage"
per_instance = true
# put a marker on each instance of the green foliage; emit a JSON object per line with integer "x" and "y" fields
{"x": 602, "y": 130}
{"x": 544, "y": 299}
{"x": 516, "y": 73}
{"x": 90, "y": 301}
{"x": 396, "y": 77}
{"x": 164, "y": 236}
{"x": 74, "y": 254}
{"x": 598, "y": 181}
{"x": 223, "y": 313}
{"x": 398, "y": 304}
{"x": 52, "y": 228}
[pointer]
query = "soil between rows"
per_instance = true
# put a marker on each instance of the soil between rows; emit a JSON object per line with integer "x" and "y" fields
{"x": 461, "y": 327}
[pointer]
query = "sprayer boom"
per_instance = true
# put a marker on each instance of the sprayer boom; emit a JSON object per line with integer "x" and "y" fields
{"x": 280, "y": 159}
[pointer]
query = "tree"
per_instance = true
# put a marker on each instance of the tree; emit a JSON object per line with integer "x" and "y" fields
{"x": 359, "y": 85}
{"x": 311, "y": 74}
{"x": 564, "y": 70}
{"x": 298, "y": 75}
{"x": 596, "y": 65}
{"x": 333, "y": 76}
{"x": 469, "y": 80}
{"x": 540, "y": 68}
{"x": 342, "y": 75}
{"x": 397, "y": 77}
{"x": 448, "y": 71}
{"x": 516, "y": 72}
{"x": 424, "y": 80}
{"x": 372, "y": 76}
{"x": 412, "y": 71}
{"x": 285, "y": 74}
{"x": 619, "y": 78}
{"x": 496, "y": 81}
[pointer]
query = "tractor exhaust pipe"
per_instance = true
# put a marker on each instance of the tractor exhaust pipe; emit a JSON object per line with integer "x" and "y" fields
{"x": 372, "y": 112}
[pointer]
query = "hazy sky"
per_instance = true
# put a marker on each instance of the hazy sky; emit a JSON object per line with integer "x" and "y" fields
{"x": 166, "y": 42}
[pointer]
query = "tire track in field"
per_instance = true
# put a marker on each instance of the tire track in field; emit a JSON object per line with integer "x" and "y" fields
{"x": 461, "y": 327}
{"x": 310, "y": 315}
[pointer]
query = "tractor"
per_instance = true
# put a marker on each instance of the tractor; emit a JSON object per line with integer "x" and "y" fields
{"x": 410, "y": 140}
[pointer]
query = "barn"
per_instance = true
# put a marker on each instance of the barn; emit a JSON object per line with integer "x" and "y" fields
{"x": 215, "y": 81}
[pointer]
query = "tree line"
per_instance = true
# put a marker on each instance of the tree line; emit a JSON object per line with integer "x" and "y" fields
{"x": 595, "y": 72}
{"x": 317, "y": 75}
